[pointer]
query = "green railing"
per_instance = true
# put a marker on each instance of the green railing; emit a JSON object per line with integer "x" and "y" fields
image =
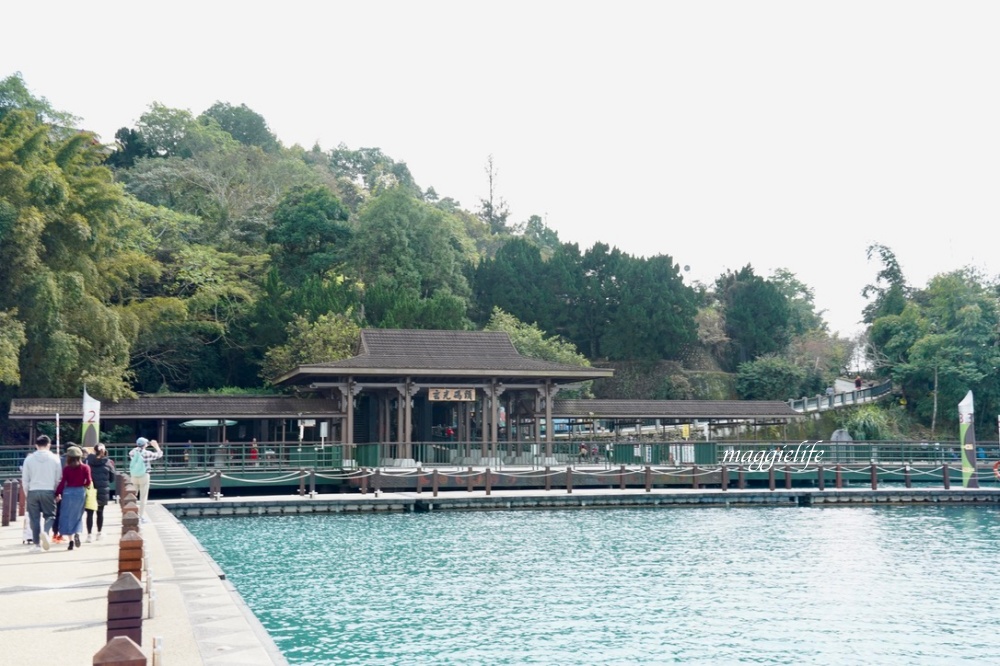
{"x": 234, "y": 458}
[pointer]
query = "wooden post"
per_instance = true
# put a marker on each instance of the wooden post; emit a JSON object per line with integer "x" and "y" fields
{"x": 130, "y": 555}
{"x": 821, "y": 481}
{"x": 906, "y": 475}
{"x": 946, "y": 476}
{"x": 839, "y": 477}
{"x": 312, "y": 482}
{"x": 694, "y": 477}
{"x": 788, "y": 478}
{"x": 548, "y": 479}
{"x": 420, "y": 481}
{"x": 22, "y": 500}
{"x": 569, "y": 479}
{"x": 364, "y": 481}
{"x": 302, "y": 482}
{"x": 125, "y": 608}
{"x": 621, "y": 479}
{"x": 489, "y": 481}
{"x": 120, "y": 651}
{"x": 874, "y": 476}
{"x": 434, "y": 482}
{"x": 8, "y": 494}
{"x": 649, "y": 479}
{"x": 770, "y": 477}
{"x": 724, "y": 478}
{"x": 468, "y": 481}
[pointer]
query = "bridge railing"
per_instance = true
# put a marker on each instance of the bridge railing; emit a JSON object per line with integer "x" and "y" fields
{"x": 844, "y": 399}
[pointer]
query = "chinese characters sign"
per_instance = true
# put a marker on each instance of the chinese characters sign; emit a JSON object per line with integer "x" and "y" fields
{"x": 454, "y": 394}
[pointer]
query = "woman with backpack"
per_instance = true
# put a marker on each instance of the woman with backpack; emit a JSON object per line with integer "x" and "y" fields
{"x": 102, "y": 470}
{"x": 140, "y": 458}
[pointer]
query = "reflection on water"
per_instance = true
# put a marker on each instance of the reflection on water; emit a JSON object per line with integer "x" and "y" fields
{"x": 843, "y": 585}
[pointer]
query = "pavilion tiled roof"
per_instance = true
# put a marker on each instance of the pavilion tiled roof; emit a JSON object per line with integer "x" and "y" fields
{"x": 679, "y": 409}
{"x": 393, "y": 352}
{"x": 177, "y": 407}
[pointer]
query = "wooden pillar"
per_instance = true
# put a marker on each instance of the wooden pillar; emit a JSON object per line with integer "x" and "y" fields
{"x": 408, "y": 428}
{"x": 550, "y": 430}
{"x": 349, "y": 409}
{"x": 401, "y": 391}
{"x": 494, "y": 417}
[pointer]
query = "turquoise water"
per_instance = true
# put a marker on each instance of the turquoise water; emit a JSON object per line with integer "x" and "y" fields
{"x": 838, "y": 585}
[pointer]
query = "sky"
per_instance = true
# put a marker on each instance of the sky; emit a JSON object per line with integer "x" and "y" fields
{"x": 777, "y": 134}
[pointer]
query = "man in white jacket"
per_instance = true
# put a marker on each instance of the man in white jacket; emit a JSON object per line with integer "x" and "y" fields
{"x": 40, "y": 475}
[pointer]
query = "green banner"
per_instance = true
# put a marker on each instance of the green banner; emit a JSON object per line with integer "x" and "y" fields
{"x": 967, "y": 441}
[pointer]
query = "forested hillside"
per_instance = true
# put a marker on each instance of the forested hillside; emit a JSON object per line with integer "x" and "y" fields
{"x": 198, "y": 253}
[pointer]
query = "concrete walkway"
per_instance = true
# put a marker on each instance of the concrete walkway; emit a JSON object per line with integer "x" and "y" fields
{"x": 54, "y": 604}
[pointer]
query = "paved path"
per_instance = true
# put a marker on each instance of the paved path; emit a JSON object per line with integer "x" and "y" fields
{"x": 54, "y": 604}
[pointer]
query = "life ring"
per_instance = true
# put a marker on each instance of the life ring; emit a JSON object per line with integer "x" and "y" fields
{"x": 996, "y": 469}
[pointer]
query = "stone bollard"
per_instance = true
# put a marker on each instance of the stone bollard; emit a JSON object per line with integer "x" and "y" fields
{"x": 130, "y": 555}
{"x": 125, "y": 608}
{"x": 130, "y": 522}
{"x": 120, "y": 651}
{"x": 5, "y": 502}
{"x": 22, "y": 501}
{"x": 120, "y": 480}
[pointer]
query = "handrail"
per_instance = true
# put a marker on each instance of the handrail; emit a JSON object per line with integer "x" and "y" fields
{"x": 843, "y": 399}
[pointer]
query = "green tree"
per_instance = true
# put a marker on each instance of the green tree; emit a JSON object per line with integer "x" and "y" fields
{"x": 769, "y": 378}
{"x": 889, "y": 293}
{"x": 802, "y": 316}
{"x": 655, "y": 317}
{"x": 531, "y": 341}
{"x": 330, "y": 337}
{"x": 129, "y": 147}
{"x": 512, "y": 282}
{"x": 63, "y": 228}
{"x": 757, "y": 315}
{"x": 243, "y": 124}
{"x": 404, "y": 249}
{"x": 310, "y": 234}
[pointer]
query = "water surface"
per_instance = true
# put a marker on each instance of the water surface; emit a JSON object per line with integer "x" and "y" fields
{"x": 844, "y": 585}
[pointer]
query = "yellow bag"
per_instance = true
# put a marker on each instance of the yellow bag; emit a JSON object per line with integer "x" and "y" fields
{"x": 90, "y": 498}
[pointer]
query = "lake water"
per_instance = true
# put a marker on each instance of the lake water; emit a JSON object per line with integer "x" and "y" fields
{"x": 857, "y": 585}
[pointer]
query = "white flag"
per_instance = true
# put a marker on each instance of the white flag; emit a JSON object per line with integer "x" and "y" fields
{"x": 91, "y": 421}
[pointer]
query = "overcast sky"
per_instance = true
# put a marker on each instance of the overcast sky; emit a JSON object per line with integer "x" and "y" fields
{"x": 779, "y": 134}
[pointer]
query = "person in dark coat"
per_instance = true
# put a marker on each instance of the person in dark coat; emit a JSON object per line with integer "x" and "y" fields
{"x": 102, "y": 470}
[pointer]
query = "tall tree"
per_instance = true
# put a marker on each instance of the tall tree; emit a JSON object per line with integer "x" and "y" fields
{"x": 63, "y": 225}
{"x": 310, "y": 234}
{"x": 757, "y": 315}
{"x": 890, "y": 290}
{"x": 493, "y": 209}
{"x": 243, "y": 124}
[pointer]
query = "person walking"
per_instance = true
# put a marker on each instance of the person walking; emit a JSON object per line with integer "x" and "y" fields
{"x": 102, "y": 470}
{"x": 140, "y": 458}
{"x": 70, "y": 493}
{"x": 40, "y": 475}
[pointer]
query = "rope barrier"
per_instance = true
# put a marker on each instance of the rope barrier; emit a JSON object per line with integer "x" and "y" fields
{"x": 179, "y": 482}
{"x": 288, "y": 477}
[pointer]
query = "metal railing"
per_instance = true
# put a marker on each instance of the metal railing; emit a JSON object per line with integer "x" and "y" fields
{"x": 844, "y": 399}
{"x": 181, "y": 458}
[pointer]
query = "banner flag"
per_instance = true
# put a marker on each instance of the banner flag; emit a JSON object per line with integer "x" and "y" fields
{"x": 967, "y": 441}
{"x": 91, "y": 434}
